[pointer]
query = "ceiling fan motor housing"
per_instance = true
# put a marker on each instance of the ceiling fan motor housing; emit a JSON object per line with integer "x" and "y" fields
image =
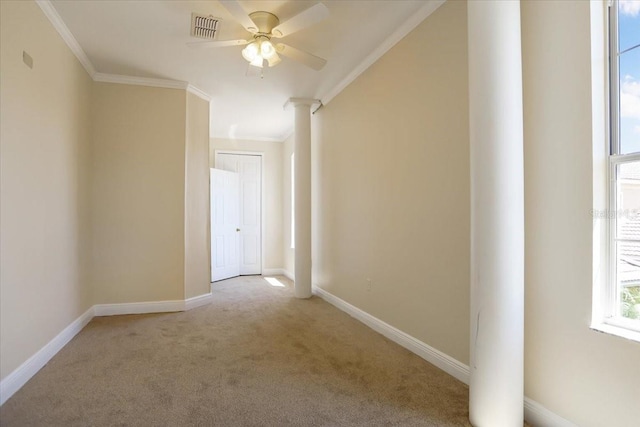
{"x": 265, "y": 21}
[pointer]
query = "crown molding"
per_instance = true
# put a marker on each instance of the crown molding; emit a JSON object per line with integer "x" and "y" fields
{"x": 62, "y": 29}
{"x": 151, "y": 82}
{"x": 287, "y": 134}
{"x": 56, "y": 20}
{"x": 140, "y": 81}
{"x": 387, "y": 44}
{"x": 247, "y": 138}
{"x": 293, "y": 102}
{"x": 52, "y": 14}
{"x": 198, "y": 92}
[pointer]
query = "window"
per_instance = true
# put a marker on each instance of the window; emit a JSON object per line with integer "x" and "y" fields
{"x": 621, "y": 299}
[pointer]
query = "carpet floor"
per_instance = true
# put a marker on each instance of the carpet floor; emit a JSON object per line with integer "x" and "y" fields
{"x": 255, "y": 356}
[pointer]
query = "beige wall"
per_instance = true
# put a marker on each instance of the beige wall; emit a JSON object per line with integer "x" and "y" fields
{"x": 138, "y": 198}
{"x": 590, "y": 378}
{"x": 113, "y": 220}
{"x": 196, "y": 239}
{"x": 96, "y": 207}
{"x": 272, "y": 187}
{"x": 391, "y": 183}
{"x": 44, "y": 182}
{"x": 288, "y": 255}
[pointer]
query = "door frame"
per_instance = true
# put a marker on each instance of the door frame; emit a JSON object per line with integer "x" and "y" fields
{"x": 262, "y": 180}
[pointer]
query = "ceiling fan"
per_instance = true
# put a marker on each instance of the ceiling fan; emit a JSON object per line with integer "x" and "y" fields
{"x": 265, "y": 26}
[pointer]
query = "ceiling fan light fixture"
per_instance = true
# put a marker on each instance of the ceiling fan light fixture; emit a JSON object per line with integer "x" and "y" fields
{"x": 259, "y": 50}
{"x": 257, "y": 62}
{"x": 251, "y": 52}
{"x": 266, "y": 49}
{"x": 264, "y": 26}
{"x": 274, "y": 60}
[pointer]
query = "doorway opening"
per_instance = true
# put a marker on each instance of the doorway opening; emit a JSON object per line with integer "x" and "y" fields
{"x": 236, "y": 214}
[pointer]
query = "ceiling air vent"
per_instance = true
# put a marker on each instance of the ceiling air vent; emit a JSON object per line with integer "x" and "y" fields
{"x": 204, "y": 27}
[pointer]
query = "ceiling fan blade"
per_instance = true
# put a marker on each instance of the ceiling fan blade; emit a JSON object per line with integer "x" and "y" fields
{"x": 313, "y": 15}
{"x": 237, "y": 11}
{"x": 301, "y": 56}
{"x": 217, "y": 43}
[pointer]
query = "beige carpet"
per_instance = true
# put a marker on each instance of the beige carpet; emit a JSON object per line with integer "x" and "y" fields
{"x": 256, "y": 356}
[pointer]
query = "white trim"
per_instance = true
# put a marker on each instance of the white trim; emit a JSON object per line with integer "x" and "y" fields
{"x": 239, "y": 152}
{"x": 538, "y": 415}
{"x": 198, "y": 301}
{"x": 56, "y": 20}
{"x": 619, "y": 331}
{"x": 606, "y": 157}
{"x": 140, "y": 81}
{"x": 198, "y": 92}
{"x": 247, "y": 138}
{"x": 288, "y": 275}
{"x": 435, "y": 357}
{"x": 16, "y": 379}
{"x": 263, "y": 210}
{"x": 534, "y": 412}
{"x": 387, "y": 44}
{"x": 273, "y": 272}
{"x": 52, "y": 14}
{"x": 287, "y": 134}
{"x": 293, "y": 102}
{"x": 631, "y": 325}
{"x": 139, "y": 307}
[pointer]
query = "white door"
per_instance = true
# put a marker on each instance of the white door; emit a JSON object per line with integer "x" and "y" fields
{"x": 225, "y": 222}
{"x": 250, "y": 169}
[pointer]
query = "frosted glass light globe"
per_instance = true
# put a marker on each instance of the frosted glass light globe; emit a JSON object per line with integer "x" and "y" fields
{"x": 251, "y": 51}
{"x": 266, "y": 49}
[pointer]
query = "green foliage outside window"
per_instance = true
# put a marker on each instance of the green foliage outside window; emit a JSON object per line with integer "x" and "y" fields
{"x": 630, "y": 302}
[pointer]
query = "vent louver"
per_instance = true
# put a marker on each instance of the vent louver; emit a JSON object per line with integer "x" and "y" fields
{"x": 204, "y": 27}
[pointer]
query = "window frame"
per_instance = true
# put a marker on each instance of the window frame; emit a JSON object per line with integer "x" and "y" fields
{"x": 611, "y": 297}
{"x": 606, "y": 317}
{"x": 613, "y": 78}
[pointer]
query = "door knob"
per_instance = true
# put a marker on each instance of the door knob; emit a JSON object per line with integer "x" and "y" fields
{"x": 237, "y": 229}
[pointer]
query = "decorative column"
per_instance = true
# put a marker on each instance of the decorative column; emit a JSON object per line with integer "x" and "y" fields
{"x": 302, "y": 188}
{"x": 497, "y": 214}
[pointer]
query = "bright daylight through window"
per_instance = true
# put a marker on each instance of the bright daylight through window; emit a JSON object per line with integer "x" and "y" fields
{"x": 622, "y": 305}
{"x": 293, "y": 204}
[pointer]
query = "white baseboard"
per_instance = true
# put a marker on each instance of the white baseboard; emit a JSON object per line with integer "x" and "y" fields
{"x": 538, "y": 415}
{"x": 272, "y": 271}
{"x": 139, "y": 308}
{"x": 288, "y": 275}
{"x": 16, "y": 379}
{"x": 151, "y": 306}
{"x": 534, "y": 413}
{"x": 277, "y": 272}
{"x": 198, "y": 301}
{"x": 435, "y": 357}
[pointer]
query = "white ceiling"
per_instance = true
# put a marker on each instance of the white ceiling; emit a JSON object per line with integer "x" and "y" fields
{"x": 148, "y": 39}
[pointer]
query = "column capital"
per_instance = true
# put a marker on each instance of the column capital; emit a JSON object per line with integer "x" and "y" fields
{"x": 294, "y": 102}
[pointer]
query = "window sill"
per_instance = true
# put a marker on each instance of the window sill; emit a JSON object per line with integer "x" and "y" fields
{"x": 617, "y": 331}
